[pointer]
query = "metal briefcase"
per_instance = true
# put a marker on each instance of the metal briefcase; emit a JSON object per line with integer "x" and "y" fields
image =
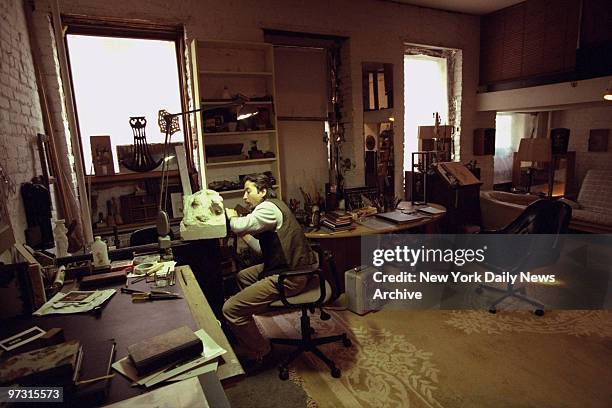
{"x": 357, "y": 281}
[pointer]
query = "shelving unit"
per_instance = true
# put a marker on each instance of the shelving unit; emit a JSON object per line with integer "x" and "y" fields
{"x": 245, "y": 68}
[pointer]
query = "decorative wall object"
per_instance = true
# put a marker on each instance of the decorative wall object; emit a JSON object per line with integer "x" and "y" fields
{"x": 102, "y": 155}
{"x": 598, "y": 140}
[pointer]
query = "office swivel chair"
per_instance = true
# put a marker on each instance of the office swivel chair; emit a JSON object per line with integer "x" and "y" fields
{"x": 540, "y": 217}
{"x": 318, "y": 292}
{"x": 145, "y": 236}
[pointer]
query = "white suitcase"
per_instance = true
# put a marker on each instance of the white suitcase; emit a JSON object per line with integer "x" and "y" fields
{"x": 357, "y": 285}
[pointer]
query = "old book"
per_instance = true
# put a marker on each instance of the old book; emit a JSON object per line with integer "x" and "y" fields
{"x": 49, "y": 365}
{"x": 103, "y": 279}
{"x": 159, "y": 351}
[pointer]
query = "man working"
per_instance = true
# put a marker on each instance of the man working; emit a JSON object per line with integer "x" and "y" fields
{"x": 271, "y": 230}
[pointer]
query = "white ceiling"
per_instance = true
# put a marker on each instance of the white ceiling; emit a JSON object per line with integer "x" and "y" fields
{"x": 477, "y": 7}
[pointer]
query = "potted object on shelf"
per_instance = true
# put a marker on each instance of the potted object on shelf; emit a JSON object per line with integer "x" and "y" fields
{"x": 254, "y": 152}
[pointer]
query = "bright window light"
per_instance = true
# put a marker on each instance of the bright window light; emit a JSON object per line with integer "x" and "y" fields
{"x": 115, "y": 78}
{"x": 425, "y": 92}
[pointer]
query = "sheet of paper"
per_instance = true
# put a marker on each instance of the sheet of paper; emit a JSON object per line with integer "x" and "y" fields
{"x": 431, "y": 210}
{"x": 183, "y": 394}
{"x": 206, "y": 368}
{"x": 55, "y": 306}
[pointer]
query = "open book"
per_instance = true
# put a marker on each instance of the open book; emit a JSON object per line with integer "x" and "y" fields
{"x": 456, "y": 174}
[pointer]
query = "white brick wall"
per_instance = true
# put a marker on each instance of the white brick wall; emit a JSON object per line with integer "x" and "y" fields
{"x": 20, "y": 112}
{"x": 580, "y": 122}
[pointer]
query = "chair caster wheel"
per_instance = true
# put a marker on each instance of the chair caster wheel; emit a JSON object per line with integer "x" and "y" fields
{"x": 493, "y": 310}
{"x": 346, "y": 342}
{"x": 538, "y": 312}
{"x": 479, "y": 290}
{"x": 283, "y": 374}
{"x": 336, "y": 373}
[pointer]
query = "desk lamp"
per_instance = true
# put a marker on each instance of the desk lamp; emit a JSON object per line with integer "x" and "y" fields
{"x": 169, "y": 124}
{"x": 534, "y": 150}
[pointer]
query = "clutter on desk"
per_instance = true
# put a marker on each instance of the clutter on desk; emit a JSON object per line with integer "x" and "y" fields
{"x": 76, "y": 302}
{"x": 337, "y": 221}
{"x": 148, "y": 258}
{"x": 142, "y": 296}
{"x": 54, "y": 365}
{"x": 183, "y": 394}
{"x": 180, "y": 368}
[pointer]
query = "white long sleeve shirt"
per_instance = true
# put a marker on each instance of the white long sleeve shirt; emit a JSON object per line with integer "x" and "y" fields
{"x": 264, "y": 217}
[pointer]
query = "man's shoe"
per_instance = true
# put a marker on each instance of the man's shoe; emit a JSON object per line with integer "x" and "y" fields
{"x": 257, "y": 365}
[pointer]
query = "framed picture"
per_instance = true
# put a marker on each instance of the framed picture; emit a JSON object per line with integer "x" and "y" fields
{"x": 177, "y": 205}
{"x": 102, "y": 155}
{"x": 598, "y": 140}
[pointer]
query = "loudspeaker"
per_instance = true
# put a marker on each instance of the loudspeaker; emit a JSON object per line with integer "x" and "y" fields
{"x": 484, "y": 142}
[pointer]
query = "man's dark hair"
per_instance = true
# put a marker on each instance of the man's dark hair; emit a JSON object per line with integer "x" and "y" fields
{"x": 262, "y": 181}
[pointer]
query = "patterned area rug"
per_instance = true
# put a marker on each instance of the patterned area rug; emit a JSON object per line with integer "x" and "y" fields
{"x": 458, "y": 359}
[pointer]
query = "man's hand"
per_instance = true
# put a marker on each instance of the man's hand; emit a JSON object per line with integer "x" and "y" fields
{"x": 230, "y": 213}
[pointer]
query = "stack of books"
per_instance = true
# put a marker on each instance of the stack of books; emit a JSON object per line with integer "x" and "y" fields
{"x": 172, "y": 356}
{"x": 337, "y": 221}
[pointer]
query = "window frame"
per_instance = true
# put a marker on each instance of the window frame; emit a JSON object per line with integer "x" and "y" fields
{"x": 122, "y": 28}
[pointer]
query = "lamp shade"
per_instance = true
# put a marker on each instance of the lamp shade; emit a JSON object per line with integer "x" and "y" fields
{"x": 535, "y": 149}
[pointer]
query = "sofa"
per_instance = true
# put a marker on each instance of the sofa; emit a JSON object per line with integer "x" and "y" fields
{"x": 591, "y": 212}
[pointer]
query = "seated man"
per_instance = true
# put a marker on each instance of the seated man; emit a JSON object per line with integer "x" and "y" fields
{"x": 272, "y": 230}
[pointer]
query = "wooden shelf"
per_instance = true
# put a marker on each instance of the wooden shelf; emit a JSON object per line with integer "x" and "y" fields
{"x": 246, "y": 132}
{"x": 240, "y": 191}
{"x": 223, "y": 101}
{"x": 118, "y": 178}
{"x": 238, "y": 162}
{"x": 131, "y": 227}
{"x": 245, "y": 74}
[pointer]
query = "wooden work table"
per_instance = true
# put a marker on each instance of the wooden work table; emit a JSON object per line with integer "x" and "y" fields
{"x": 346, "y": 245}
{"x": 205, "y": 319}
{"x": 127, "y": 323}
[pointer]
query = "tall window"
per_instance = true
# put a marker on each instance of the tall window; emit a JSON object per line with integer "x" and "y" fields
{"x": 425, "y": 92}
{"x": 509, "y": 129}
{"x": 116, "y": 78}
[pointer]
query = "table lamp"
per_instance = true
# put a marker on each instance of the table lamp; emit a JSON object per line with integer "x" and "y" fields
{"x": 534, "y": 150}
{"x": 169, "y": 124}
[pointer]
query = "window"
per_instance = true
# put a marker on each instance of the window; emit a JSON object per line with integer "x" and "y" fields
{"x": 425, "y": 92}
{"x": 509, "y": 129}
{"x": 137, "y": 77}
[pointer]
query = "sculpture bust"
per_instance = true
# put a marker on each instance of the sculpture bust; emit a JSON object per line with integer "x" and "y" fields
{"x": 203, "y": 216}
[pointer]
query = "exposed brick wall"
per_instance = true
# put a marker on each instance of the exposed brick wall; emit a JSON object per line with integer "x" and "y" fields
{"x": 20, "y": 112}
{"x": 580, "y": 122}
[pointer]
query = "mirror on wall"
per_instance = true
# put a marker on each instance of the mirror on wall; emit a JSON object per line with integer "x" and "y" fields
{"x": 377, "y": 86}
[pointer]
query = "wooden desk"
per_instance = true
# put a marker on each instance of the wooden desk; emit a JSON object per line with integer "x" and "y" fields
{"x": 128, "y": 323}
{"x": 346, "y": 245}
{"x": 205, "y": 319}
{"x": 361, "y": 230}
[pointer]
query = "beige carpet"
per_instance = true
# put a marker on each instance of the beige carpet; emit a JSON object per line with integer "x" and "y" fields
{"x": 459, "y": 359}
